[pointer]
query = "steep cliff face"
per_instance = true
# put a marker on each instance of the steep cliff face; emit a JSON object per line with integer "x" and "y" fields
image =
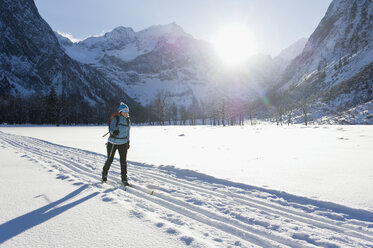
{"x": 340, "y": 47}
{"x": 333, "y": 73}
{"x": 32, "y": 60}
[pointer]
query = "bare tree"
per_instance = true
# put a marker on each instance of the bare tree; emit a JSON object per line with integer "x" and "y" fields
{"x": 304, "y": 108}
{"x": 251, "y": 107}
{"x": 160, "y": 105}
{"x": 212, "y": 108}
{"x": 289, "y": 113}
{"x": 236, "y": 111}
{"x": 203, "y": 109}
{"x": 172, "y": 113}
{"x": 194, "y": 112}
{"x": 278, "y": 103}
{"x": 183, "y": 115}
{"x": 223, "y": 110}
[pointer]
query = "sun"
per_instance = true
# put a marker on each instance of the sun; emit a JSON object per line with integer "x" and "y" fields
{"x": 234, "y": 45}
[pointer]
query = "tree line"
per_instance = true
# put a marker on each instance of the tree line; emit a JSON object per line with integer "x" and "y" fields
{"x": 53, "y": 109}
{"x": 64, "y": 109}
{"x": 216, "y": 109}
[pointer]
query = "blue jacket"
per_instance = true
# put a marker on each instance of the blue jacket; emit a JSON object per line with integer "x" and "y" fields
{"x": 123, "y": 127}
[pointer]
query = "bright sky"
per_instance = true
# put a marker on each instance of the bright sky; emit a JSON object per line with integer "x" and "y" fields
{"x": 274, "y": 24}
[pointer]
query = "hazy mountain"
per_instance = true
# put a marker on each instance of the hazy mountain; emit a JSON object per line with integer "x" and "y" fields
{"x": 267, "y": 71}
{"x": 160, "y": 58}
{"x": 284, "y": 58}
{"x": 289, "y": 53}
{"x": 165, "y": 58}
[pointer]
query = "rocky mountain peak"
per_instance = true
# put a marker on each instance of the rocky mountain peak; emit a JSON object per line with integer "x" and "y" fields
{"x": 171, "y": 29}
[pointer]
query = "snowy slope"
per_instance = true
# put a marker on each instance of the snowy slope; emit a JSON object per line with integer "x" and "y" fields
{"x": 339, "y": 48}
{"x": 183, "y": 206}
{"x": 333, "y": 74}
{"x": 345, "y": 33}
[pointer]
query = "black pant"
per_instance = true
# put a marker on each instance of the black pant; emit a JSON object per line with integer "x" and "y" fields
{"x": 111, "y": 149}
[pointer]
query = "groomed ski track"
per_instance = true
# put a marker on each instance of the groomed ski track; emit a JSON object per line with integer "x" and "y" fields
{"x": 200, "y": 207}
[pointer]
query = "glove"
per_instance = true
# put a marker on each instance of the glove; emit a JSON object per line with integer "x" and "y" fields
{"x": 116, "y": 132}
{"x": 128, "y": 145}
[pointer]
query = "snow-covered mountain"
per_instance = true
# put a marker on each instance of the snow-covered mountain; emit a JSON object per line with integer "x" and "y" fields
{"x": 266, "y": 70}
{"x": 122, "y": 43}
{"x": 32, "y": 60}
{"x": 336, "y": 64}
{"x": 143, "y": 63}
{"x": 284, "y": 58}
{"x": 289, "y": 53}
{"x": 332, "y": 69}
{"x": 165, "y": 58}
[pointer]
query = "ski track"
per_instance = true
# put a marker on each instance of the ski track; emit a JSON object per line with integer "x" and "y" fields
{"x": 229, "y": 215}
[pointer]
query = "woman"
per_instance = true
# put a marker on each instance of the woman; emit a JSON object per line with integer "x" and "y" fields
{"x": 119, "y": 140}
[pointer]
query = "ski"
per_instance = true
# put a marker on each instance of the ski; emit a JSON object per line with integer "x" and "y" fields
{"x": 122, "y": 185}
{"x": 125, "y": 187}
{"x": 143, "y": 189}
{"x": 136, "y": 187}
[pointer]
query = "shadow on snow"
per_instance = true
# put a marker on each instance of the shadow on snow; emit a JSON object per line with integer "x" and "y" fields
{"x": 22, "y": 223}
{"x": 190, "y": 175}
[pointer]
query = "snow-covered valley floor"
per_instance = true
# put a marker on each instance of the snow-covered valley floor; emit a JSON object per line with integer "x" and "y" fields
{"x": 52, "y": 195}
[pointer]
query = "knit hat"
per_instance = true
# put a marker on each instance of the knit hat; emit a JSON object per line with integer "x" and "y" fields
{"x": 123, "y": 108}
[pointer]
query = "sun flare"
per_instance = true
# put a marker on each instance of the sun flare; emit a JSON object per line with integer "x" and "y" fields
{"x": 234, "y": 45}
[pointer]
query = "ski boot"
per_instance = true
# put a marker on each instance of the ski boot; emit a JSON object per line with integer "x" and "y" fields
{"x": 126, "y": 184}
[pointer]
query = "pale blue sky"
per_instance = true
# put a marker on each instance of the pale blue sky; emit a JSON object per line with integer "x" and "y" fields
{"x": 274, "y": 23}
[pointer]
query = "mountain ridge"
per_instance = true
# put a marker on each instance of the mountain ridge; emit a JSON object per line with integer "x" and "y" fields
{"x": 171, "y": 58}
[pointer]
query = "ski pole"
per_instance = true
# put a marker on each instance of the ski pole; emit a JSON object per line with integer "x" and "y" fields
{"x": 105, "y": 134}
{"x": 111, "y": 152}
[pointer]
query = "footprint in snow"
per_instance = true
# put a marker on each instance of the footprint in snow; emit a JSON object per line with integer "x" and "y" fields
{"x": 171, "y": 231}
{"x": 160, "y": 224}
{"x": 187, "y": 240}
{"x": 107, "y": 199}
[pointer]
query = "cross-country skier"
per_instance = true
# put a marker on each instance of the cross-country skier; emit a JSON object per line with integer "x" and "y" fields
{"x": 119, "y": 128}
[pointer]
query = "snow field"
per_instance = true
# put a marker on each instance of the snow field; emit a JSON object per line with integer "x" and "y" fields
{"x": 202, "y": 210}
{"x": 327, "y": 163}
{"x": 39, "y": 211}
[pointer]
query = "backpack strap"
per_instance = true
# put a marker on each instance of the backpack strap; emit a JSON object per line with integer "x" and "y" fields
{"x": 117, "y": 123}
{"x": 113, "y": 115}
